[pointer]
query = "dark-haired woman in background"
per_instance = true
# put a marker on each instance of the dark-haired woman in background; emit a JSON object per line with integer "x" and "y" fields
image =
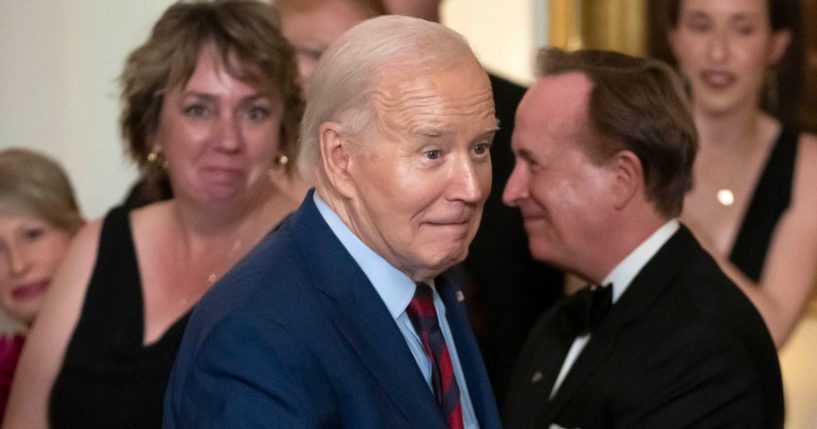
{"x": 753, "y": 203}
{"x": 211, "y": 99}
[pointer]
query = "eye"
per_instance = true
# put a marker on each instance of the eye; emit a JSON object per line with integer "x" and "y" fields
{"x": 32, "y": 234}
{"x": 310, "y": 54}
{"x": 433, "y": 154}
{"x": 482, "y": 148}
{"x": 745, "y": 29}
{"x": 196, "y": 111}
{"x": 257, "y": 114}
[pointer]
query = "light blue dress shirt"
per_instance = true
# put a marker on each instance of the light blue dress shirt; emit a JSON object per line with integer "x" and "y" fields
{"x": 396, "y": 290}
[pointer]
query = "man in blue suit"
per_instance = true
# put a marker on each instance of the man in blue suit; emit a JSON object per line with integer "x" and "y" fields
{"x": 348, "y": 315}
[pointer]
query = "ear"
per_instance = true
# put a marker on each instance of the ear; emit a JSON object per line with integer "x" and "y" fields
{"x": 628, "y": 179}
{"x": 336, "y": 158}
{"x": 780, "y": 42}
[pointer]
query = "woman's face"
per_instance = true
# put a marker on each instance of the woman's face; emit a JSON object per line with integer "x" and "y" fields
{"x": 30, "y": 252}
{"x": 724, "y": 48}
{"x": 219, "y": 136}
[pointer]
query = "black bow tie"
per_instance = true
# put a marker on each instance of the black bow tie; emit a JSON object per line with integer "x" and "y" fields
{"x": 585, "y": 308}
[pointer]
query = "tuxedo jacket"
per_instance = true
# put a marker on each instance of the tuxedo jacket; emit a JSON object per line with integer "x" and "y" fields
{"x": 295, "y": 336}
{"x": 682, "y": 348}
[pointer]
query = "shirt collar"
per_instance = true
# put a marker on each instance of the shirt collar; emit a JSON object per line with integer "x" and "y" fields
{"x": 628, "y": 268}
{"x": 395, "y": 288}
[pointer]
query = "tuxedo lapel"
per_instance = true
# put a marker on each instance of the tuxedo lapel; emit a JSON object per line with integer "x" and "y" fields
{"x": 473, "y": 368}
{"x": 363, "y": 320}
{"x": 536, "y": 371}
{"x": 643, "y": 291}
{"x": 596, "y": 351}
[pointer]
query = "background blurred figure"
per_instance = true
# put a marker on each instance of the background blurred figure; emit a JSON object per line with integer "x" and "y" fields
{"x": 38, "y": 218}
{"x": 212, "y": 97}
{"x": 753, "y": 200}
{"x": 311, "y": 25}
{"x": 509, "y": 289}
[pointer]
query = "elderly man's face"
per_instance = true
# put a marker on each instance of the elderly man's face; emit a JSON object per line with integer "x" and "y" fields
{"x": 423, "y": 172}
{"x": 563, "y": 195}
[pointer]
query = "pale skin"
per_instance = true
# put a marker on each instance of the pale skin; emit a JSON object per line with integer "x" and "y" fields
{"x": 219, "y": 148}
{"x": 581, "y": 215}
{"x": 413, "y": 186}
{"x": 31, "y": 250}
{"x": 724, "y": 49}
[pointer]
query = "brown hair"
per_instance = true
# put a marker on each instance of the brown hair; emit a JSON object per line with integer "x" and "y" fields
{"x": 370, "y": 8}
{"x": 34, "y": 185}
{"x": 245, "y": 33}
{"x": 636, "y": 104}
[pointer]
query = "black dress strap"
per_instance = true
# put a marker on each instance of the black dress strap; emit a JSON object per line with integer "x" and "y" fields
{"x": 770, "y": 200}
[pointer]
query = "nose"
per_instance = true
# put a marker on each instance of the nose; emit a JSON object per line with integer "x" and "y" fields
{"x": 18, "y": 261}
{"x": 228, "y": 134}
{"x": 517, "y": 187}
{"x": 718, "y": 46}
{"x": 471, "y": 180}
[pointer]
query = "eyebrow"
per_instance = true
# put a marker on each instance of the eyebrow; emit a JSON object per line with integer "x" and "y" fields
{"x": 212, "y": 98}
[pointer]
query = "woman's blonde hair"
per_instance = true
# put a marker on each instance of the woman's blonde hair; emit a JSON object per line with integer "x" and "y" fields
{"x": 32, "y": 184}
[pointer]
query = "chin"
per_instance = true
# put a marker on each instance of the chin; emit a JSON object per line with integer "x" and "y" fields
{"x": 445, "y": 261}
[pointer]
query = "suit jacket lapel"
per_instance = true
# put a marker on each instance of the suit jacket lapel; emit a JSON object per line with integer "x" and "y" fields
{"x": 476, "y": 377}
{"x": 645, "y": 288}
{"x": 364, "y": 321}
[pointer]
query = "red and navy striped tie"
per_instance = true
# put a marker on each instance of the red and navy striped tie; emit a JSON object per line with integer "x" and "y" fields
{"x": 424, "y": 318}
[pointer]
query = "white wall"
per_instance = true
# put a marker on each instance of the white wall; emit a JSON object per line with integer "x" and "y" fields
{"x": 60, "y": 59}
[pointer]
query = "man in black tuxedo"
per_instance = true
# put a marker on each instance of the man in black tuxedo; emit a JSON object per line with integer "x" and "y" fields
{"x": 604, "y": 147}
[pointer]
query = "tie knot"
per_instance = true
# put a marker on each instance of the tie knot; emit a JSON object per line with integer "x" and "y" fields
{"x": 421, "y": 310}
{"x": 585, "y": 308}
{"x": 423, "y": 291}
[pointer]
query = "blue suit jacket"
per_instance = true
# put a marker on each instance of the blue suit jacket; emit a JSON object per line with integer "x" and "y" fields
{"x": 295, "y": 336}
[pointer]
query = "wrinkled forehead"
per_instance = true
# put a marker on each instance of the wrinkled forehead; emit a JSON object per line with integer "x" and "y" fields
{"x": 430, "y": 103}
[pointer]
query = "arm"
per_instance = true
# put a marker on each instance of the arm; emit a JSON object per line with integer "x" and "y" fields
{"x": 790, "y": 270}
{"x": 45, "y": 347}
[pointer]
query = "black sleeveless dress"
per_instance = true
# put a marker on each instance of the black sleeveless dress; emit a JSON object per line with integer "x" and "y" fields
{"x": 109, "y": 379}
{"x": 770, "y": 200}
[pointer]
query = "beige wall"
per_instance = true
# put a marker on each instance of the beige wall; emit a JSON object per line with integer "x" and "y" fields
{"x": 505, "y": 35}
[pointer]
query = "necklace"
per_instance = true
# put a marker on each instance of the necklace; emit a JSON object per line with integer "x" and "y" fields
{"x": 726, "y": 197}
{"x": 231, "y": 256}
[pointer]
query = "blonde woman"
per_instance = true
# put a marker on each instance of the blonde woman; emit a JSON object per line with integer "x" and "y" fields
{"x": 38, "y": 218}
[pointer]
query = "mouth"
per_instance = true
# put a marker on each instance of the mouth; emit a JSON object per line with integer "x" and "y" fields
{"x": 30, "y": 290}
{"x": 223, "y": 174}
{"x": 718, "y": 79}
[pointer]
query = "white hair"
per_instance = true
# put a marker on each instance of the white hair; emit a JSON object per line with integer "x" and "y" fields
{"x": 350, "y": 70}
